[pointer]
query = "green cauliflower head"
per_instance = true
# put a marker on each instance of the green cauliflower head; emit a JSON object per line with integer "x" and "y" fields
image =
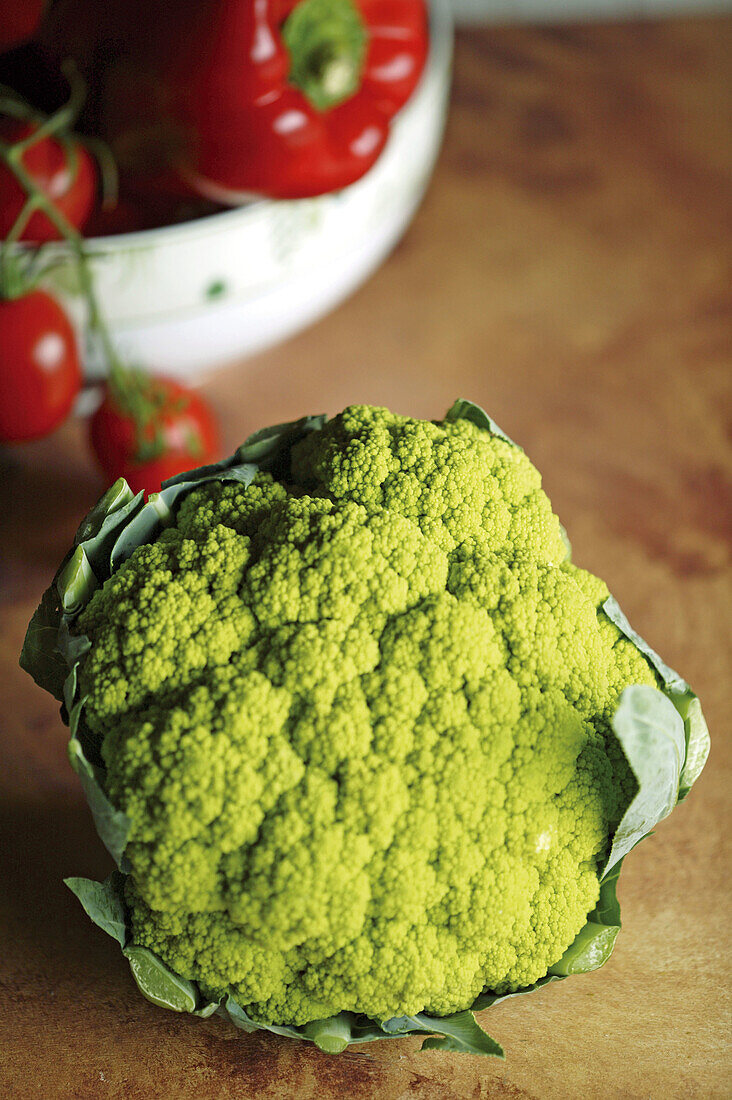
{"x": 359, "y": 720}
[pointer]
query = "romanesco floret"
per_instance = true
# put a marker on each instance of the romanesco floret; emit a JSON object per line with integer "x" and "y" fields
{"x": 359, "y": 722}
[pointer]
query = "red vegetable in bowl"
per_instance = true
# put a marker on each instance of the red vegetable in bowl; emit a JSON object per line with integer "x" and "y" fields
{"x": 149, "y": 428}
{"x": 39, "y": 366}
{"x": 225, "y": 98}
{"x": 295, "y": 99}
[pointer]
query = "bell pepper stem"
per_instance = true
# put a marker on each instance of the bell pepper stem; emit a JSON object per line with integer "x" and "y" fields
{"x": 326, "y": 41}
{"x": 335, "y": 75}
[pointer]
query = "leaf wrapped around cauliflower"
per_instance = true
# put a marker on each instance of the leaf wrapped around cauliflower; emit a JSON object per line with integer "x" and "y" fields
{"x": 368, "y": 745}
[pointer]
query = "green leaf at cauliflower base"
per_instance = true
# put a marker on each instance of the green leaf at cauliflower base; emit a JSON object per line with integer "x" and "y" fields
{"x": 590, "y": 950}
{"x": 460, "y": 1033}
{"x": 332, "y": 1035}
{"x": 96, "y": 537}
{"x": 39, "y": 656}
{"x": 466, "y": 410}
{"x": 158, "y": 983}
{"x": 233, "y": 1011}
{"x": 76, "y": 583}
{"x": 112, "y": 825}
{"x": 103, "y": 902}
{"x": 118, "y": 496}
{"x": 697, "y": 740}
{"x": 607, "y": 910}
{"x": 683, "y": 698}
{"x": 265, "y": 446}
{"x": 651, "y": 733}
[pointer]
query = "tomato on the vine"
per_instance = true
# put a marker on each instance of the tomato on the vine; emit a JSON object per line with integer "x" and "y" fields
{"x": 149, "y": 428}
{"x": 40, "y": 374}
{"x": 63, "y": 171}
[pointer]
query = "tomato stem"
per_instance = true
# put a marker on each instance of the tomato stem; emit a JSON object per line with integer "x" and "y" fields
{"x": 21, "y": 221}
{"x": 10, "y": 156}
{"x": 62, "y": 119}
{"x": 108, "y": 175}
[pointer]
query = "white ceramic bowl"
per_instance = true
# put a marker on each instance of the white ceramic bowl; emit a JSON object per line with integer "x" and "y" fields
{"x": 187, "y": 297}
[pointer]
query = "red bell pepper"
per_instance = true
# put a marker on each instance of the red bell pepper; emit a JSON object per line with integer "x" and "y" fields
{"x": 287, "y": 98}
{"x": 291, "y": 98}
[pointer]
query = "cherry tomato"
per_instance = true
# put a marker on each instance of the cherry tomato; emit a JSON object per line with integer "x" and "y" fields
{"x": 179, "y": 435}
{"x": 48, "y": 162}
{"x": 39, "y": 366}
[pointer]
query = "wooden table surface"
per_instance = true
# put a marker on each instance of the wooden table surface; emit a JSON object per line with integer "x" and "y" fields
{"x": 568, "y": 271}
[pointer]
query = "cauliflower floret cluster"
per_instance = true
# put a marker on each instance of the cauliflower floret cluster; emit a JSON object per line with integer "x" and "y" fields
{"x": 359, "y": 722}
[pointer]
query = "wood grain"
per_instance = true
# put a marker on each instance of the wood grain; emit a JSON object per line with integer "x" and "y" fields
{"x": 569, "y": 270}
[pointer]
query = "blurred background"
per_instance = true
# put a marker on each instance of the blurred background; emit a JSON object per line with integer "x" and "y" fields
{"x": 561, "y": 256}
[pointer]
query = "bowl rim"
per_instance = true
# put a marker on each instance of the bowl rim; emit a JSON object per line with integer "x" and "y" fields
{"x": 440, "y": 27}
